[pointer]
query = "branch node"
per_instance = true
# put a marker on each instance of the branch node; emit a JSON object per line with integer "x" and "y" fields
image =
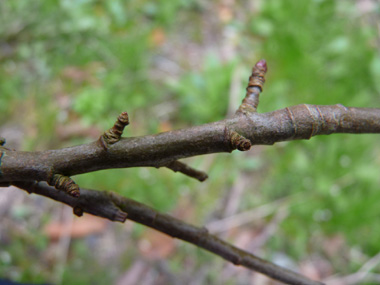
{"x": 120, "y": 216}
{"x": 254, "y": 88}
{"x": 237, "y": 261}
{"x": 78, "y": 211}
{"x": 32, "y": 187}
{"x": 239, "y": 142}
{"x": 65, "y": 184}
{"x": 203, "y": 231}
{"x": 113, "y": 135}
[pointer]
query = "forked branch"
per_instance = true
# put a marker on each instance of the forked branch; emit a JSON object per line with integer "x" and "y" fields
{"x": 160, "y": 150}
{"x": 245, "y": 129}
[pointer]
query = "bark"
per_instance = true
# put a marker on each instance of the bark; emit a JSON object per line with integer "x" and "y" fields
{"x": 114, "y": 207}
{"x": 292, "y": 123}
{"x": 30, "y": 170}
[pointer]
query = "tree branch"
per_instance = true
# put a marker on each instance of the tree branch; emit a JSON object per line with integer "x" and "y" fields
{"x": 178, "y": 166}
{"x": 244, "y": 129}
{"x": 114, "y": 207}
{"x": 292, "y": 123}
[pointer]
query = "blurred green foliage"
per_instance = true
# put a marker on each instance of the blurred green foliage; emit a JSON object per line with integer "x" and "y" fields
{"x": 319, "y": 56}
{"x": 201, "y": 92}
{"x": 318, "y": 52}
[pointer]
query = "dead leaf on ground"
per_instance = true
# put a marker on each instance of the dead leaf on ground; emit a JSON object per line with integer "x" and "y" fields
{"x": 79, "y": 228}
{"x": 316, "y": 268}
{"x": 334, "y": 245}
{"x": 155, "y": 245}
{"x": 158, "y": 37}
{"x": 225, "y": 13}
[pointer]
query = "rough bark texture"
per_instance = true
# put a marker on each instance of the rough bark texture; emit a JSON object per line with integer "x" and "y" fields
{"x": 114, "y": 207}
{"x": 26, "y": 170}
{"x": 292, "y": 123}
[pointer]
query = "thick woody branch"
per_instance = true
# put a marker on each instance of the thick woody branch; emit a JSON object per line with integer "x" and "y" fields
{"x": 117, "y": 208}
{"x": 245, "y": 129}
{"x": 113, "y": 135}
{"x": 292, "y": 123}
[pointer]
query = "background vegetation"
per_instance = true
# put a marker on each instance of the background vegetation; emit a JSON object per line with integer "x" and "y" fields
{"x": 68, "y": 68}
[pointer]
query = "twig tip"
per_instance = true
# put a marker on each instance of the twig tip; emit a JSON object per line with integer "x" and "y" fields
{"x": 203, "y": 177}
{"x": 120, "y": 216}
{"x": 113, "y": 135}
{"x": 262, "y": 64}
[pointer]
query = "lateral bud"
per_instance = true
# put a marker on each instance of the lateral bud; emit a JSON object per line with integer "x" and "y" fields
{"x": 113, "y": 135}
{"x": 239, "y": 142}
{"x": 78, "y": 211}
{"x": 65, "y": 183}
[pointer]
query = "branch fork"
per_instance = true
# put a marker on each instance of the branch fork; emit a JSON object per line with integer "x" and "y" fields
{"x": 245, "y": 129}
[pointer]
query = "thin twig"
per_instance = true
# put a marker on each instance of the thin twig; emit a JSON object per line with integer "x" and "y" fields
{"x": 245, "y": 129}
{"x": 117, "y": 208}
{"x": 360, "y": 275}
{"x": 183, "y": 168}
{"x": 254, "y": 88}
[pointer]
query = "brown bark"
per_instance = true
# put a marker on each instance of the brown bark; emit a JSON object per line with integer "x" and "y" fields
{"x": 246, "y": 128}
{"x": 114, "y": 207}
{"x": 292, "y": 123}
